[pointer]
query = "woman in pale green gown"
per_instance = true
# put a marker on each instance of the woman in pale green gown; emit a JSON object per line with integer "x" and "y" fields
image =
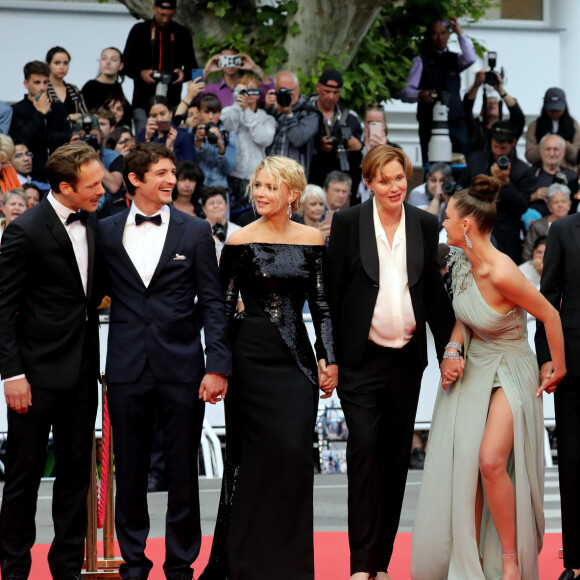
{"x": 480, "y": 513}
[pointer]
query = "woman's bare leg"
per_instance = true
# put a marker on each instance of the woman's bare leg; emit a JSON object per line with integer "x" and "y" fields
{"x": 496, "y": 446}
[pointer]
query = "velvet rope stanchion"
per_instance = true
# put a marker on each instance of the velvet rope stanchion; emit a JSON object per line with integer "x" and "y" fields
{"x": 106, "y": 450}
{"x": 101, "y": 509}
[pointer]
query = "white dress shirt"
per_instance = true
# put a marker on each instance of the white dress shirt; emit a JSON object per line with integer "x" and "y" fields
{"x": 144, "y": 243}
{"x": 77, "y": 232}
{"x": 393, "y": 320}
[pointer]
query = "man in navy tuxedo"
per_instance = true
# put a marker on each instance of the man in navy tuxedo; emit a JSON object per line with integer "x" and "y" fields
{"x": 164, "y": 286}
{"x": 49, "y": 360}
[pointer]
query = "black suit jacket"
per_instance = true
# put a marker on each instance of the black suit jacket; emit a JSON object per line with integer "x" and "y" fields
{"x": 45, "y": 316}
{"x": 354, "y": 281}
{"x": 561, "y": 286}
{"x": 161, "y": 323}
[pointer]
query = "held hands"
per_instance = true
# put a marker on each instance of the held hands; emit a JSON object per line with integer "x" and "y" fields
{"x": 213, "y": 388}
{"x": 451, "y": 370}
{"x": 18, "y": 395}
{"x": 550, "y": 378}
{"x": 327, "y": 378}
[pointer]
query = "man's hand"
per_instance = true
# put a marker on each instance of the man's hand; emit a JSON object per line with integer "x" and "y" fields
{"x": 18, "y": 395}
{"x": 327, "y": 145}
{"x": 425, "y": 96}
{"x": 213, "y": 388}
{"x": 353, "y": 144}
{"x": 43, "y": 104}
{"x": 454, "y": 25}
{"x": 540, "y": 193}
{"x": 180, "y": 76}
{"x": 270, "y": 100}
{"x": 502, "y": 174}
{"x": 147, "y": 76}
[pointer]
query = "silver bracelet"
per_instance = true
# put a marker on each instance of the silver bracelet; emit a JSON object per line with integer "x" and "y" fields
{"x": 451, "y": 355}
{"x": 456, "y": 345}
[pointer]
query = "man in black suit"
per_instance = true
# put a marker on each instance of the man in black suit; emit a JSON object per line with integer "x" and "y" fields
{"x": 158, "y": 261}
{"x": 49, "y": 360}
{"x": 561, "y": 286}
{"x": 385, "y": 284}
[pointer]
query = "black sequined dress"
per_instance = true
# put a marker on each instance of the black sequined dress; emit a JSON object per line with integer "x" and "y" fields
{"x": 265, "y": 520}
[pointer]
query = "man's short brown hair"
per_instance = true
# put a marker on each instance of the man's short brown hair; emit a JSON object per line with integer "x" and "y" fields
{"x": 36, "y": 67}
{"x": 64, "y": 165}
{"x": 140, "y": 159}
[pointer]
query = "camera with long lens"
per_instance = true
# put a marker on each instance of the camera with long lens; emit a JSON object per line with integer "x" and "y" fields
{"x": 163, "y": 80}
{"x": 211, "y": 137}
{"x": 339, "y": 139}
{"x": 219, "y": 231}
{"x": 561, "y": 178}
{"x": 490, "y": 75}
{"x": 440, "y": 149}
{"x": 87, "y": 127}
{"x": 284, "y": 97}
{"x": 503, "y": 162}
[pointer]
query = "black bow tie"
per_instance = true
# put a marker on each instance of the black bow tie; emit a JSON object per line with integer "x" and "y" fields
{"x": 141, "y": 219}
{"x": 81, "y": 216}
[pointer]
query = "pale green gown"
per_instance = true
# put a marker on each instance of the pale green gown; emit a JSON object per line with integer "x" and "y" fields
{"x": 444, "y": 540}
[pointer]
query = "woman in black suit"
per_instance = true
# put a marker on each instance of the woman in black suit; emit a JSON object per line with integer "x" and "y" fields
{"x": 384, "y": 286}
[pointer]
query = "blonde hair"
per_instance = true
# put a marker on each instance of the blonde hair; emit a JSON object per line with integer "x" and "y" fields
{"x": 281, "y": 170}
{"x": 6, "y": 147}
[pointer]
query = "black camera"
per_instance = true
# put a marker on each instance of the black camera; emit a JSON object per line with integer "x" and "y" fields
{"x": 89, "y": 139}
{"x": 503, "y": 162}
{"x": 561, "y": 178}
{"x": 162, "y": 77}
{"x": 341, "y": 135}
{"x": 449, "y": 187}
{"x": 284, "y": 97}
{"x": 219, "y": 230}
{"x": 211, "y": 137}
{"x": 490, "y": 75}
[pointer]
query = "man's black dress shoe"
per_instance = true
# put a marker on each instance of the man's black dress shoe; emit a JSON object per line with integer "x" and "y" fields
{"x": 567, "y": 575}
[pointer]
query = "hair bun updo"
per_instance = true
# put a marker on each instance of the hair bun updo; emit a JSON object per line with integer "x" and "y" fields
{"x": 485, "y": 188}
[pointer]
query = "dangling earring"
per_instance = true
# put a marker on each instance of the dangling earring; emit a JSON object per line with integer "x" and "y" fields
{"x": 467, "y": 241}
{"x": 289, "y": 210}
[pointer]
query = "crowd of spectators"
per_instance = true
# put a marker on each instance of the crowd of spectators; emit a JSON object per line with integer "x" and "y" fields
{"x": 231, "y": 114}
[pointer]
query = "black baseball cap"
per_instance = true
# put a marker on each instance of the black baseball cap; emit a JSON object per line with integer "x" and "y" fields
{"x": 167, "y": 4}
{"x": 555, "y": 99}
{"x": 331, "y": 74}
{"x": 503, "y": 132}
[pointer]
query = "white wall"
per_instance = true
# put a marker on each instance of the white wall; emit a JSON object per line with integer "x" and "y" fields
{"x": 31, "y": 27}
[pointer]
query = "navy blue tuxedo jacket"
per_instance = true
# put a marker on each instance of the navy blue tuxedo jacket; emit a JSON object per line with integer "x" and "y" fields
{"x": 162, "y": 323}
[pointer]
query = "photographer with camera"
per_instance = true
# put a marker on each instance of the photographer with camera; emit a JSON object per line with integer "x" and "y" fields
{"x": 160, "y": 129}
{"x": 434, "y": 76}
{"x": 231, "y": 64}
{"x": 502, "y": 162}
{"x": 296, "y": 120}
{"x": 159, "y": 57}
{"x": 338, "y": 144}
{"x": 494, "y": 95}
{"x": 550, "y": 170}
{"x": 254, "y": 131}
{"x": 215, "y": 206}
{"x": 215, "y": 148}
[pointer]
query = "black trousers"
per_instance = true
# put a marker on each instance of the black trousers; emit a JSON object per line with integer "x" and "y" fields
{"x": 71, "y": 413}
{"x": 379, "y": 399}
{"x": 567, "y": 406}
{"x": 133, "y": 408}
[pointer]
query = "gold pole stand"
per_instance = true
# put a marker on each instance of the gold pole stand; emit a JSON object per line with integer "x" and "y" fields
{"x": 108, "y": 565}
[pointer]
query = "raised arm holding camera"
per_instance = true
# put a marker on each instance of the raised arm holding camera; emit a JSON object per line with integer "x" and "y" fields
{"x": 494, "y": 96}
{"x": 231, "y": 64}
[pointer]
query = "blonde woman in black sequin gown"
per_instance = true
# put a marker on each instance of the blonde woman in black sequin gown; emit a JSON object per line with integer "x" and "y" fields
{"x": 265, "y": 520}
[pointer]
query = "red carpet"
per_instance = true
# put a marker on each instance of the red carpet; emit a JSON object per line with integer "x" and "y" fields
{"x": 331, "y": 557}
